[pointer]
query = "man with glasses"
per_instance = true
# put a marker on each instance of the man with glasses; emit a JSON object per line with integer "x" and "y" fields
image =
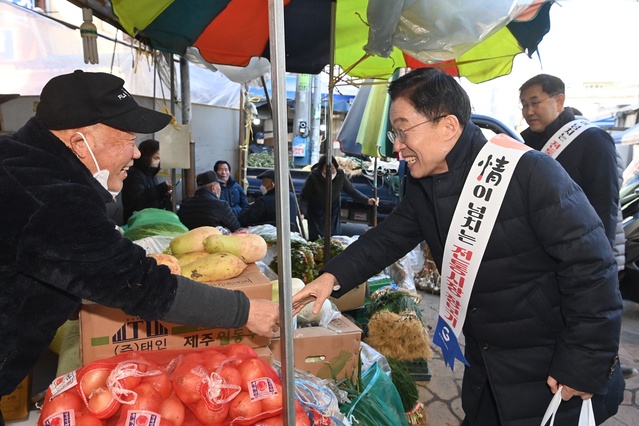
{"x": 539, "y": 307}
{"x": 587, "y": 153}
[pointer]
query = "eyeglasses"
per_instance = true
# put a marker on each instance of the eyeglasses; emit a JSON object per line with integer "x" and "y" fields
{"x": 534, "y": 104}
{"x": 400, "y": 135}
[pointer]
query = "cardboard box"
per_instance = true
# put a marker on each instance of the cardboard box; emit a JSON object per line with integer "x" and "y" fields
{"x": 105, "y": 332}
{"x": 318, "y": 350}
{"x": 352, "y": 300}
{"x": 16, "y": 405}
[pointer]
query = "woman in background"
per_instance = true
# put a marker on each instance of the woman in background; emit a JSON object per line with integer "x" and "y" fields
{"x": 313, "y": 197}
{"x": 141, "y": 189}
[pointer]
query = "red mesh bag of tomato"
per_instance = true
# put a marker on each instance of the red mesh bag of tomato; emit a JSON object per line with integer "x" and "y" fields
{"x": 229, "y": 385}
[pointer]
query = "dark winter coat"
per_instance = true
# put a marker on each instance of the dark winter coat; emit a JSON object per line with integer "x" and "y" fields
{"x": 60, "y": 247}
{"x": 313, "y": 201}
{"x": 545, "y": 300}
{"x": 233, "y": 194}
{"x": 591, "y": 161}
{"x": 205, "y": 209}
{"x": 141, "y": 190}
{"x": 263, "y": 211}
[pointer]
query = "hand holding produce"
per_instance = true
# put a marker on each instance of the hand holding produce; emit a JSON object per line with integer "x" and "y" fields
{"x": 264, "y": 317}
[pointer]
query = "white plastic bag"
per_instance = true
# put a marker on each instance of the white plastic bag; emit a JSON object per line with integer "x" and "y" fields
{"x": 586, "y": 417}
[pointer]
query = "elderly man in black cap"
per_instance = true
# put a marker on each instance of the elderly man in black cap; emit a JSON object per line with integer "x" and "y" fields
{"x": 205, "y": 208}
{"x": 59, "y": 246}
{"x": 263, "y": 210}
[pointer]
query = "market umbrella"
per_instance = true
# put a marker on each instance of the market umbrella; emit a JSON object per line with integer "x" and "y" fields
{"x": 372, "y": 37}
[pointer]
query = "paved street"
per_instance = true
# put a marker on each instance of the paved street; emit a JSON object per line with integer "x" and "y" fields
{"x": 441, "y": 395}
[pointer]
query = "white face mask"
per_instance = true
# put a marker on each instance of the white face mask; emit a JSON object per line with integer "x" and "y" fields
{"x": 102, "y": 176}
{"x": 332, "y": 175}
{"x": 263, "y": 189}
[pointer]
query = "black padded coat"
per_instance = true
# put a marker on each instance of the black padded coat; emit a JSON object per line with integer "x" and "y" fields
{"x": 60, "y": 247}
{"x": 545, "y": 300}
{"x": 205, "y": 209}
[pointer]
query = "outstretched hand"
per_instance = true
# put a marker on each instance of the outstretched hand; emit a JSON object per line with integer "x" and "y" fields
{"x": 264, "y": 317}
{"x": 318, "y": 290}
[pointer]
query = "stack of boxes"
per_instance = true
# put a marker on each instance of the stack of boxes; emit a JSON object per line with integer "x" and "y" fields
{"x": 106, "y": 332}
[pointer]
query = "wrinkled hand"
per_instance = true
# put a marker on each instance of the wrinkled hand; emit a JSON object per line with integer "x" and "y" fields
{"x": 318, "y": 290}
{"x": 372, "y": 201}
{"x": 264, "y": 317}
{"x": 567, "y": 392}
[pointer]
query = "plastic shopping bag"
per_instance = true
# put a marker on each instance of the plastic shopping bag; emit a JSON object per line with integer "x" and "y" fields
{"x": 586, "y": 417}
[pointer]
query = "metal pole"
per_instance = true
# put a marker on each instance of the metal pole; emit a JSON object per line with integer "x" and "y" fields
{"x": 328, "y": 142}
{"x": 280, "y": 134}
{"x": 185, "y": 78}
{"x": 299, "y": 220}
{"x": 375, "y": 192}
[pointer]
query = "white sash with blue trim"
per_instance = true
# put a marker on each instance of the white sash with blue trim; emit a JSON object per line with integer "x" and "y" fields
{"x": 472, "y": 224}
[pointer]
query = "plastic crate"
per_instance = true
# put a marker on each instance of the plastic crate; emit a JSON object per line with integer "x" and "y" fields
{"x": 376, "y": 284}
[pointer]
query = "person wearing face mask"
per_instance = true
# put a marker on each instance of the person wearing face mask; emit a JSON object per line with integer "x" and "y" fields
{"x": 59, "y": 246}
{"x": 313, "y": 197}
{"x": 141, "y": 188}
{"x": 263, "y": 210}
{"x": 232, "y": 192}
{"x": 205, "y": 208}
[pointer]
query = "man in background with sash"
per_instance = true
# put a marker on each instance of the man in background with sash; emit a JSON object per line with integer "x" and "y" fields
{"x": 528, "y": 273}
{"x": 584, "y": 150}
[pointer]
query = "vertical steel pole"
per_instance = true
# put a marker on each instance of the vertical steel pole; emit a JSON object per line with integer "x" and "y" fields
{"x": 280, "y": 134}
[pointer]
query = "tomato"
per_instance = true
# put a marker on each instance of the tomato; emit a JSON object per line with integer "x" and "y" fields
{"x": 88, "y": 420}
{"x": 67, "y": 400}
{"x": 251, "y": 369}
{"x": 161, "y": 383}
{"x": 102, "y": 405}
{"x": 210, "y": 416}
{"x": 172, "y": 410}
{"x": 273, "y": 403}
{"x": 243, "y": 408}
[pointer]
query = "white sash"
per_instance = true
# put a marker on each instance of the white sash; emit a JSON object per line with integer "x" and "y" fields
{"x": 472, "y": 224}
{"x": 564, "y": 136}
